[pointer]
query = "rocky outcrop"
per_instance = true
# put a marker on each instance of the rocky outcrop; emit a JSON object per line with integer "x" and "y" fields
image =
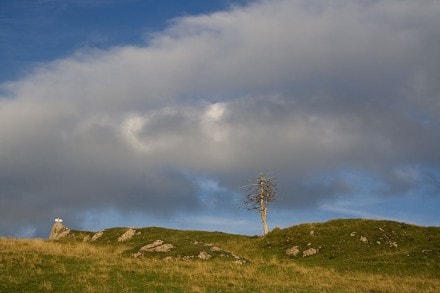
{"x": 97, "y": 235}
{"x": 127, "y": 235}
{"x": 293, "y": 251}
{"x": 58, "y": 231}
{"x": 156, "y": 246}
{"x": 310, "y": 252}
{"x": 204, "y": 255}
{"x": 207, "y": 252}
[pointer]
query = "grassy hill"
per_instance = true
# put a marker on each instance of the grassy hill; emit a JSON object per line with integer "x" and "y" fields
{"x": 348, "y": 256}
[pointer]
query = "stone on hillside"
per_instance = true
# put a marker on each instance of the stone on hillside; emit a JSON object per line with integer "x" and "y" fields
{"x": 127, "y": 235}
{"x": 157, "y": 246}
{"x": 152, "y": 245}
{"x": 310, "y": 252}
{"x": 204, "y": 255}
{"x": 137, "y": 254}
{"x": 392, "y": 244}
{"x": 364, "y": 239}
{"x": 352, "y": 234}
{"x": 164, "y": 247}
{"x": 58, "y": 230}
{"x": 239, "y": 261}
{"x": 293, "y": 251}
{"x": 215, "y": 248}
{"x": 97, "y": 235}
{"x": 87, "y": 238}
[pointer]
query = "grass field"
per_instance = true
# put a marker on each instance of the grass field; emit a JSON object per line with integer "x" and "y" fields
{"x": 393, "y": 257}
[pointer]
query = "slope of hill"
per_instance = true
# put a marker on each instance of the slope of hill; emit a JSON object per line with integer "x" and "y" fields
{"x": 342, "y": 255}
{"x": 371, "y": 245}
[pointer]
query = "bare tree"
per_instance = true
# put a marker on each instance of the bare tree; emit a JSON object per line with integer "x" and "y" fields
{"x": 258, "y": 194}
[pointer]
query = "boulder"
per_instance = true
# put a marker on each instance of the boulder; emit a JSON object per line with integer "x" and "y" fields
{"x": 97, "y": 235}
{"x": 58, "y": 231}
{"x": 364, "y": 239}
{"x": 157, "y": 246}
{"x": 127, "y": 235}
{"x": 204, "y": 255}
{"x": 310, "y": 252}
{"x": 293, "y": 251}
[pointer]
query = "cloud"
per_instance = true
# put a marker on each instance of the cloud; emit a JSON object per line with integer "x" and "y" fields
{"x": 307, "y": 90}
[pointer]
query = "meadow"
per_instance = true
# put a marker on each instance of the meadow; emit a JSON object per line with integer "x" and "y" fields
{"x": 391, "y": 257}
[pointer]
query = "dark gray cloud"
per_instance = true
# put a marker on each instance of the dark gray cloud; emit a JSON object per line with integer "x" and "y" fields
{"x": 312, "y": 92}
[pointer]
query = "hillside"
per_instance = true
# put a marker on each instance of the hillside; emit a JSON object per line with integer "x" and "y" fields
{"x": 347, "y": 255}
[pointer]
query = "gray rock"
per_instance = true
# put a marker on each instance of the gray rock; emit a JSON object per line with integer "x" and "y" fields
{"x": 97, "y": 235}
{"x": 58, "y": 231}
{"x": 364, "y": 239}
{"x": 127, "y": 235}
{"x": 204, "y": 255}
{"x": 215, "y": 248}
{"x": 293, "y": 251}
{"x": 157, "y": 246}
{"x": 310, "y": 252}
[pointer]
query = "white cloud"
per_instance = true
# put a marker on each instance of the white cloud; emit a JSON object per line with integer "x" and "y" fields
{"x": 298, "y": 88}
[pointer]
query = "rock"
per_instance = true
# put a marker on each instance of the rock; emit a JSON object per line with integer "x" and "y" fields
{"x": 152, "y": 245}
{"x": 137, "y": 254}
{"x": 127, "y": 235}
{"x": 97, "y": 235}
{"x": 363, "y": 239}
{"x": 392, "y": 244}
{"x": 157, "y": 246}
{"x": 164, "y": 247}
{"x": 239, "y": 261}
{"x": 204, "y": 255}
{"x": 215, "y": 248}
{"x": 312, "y": 233}
{"x": 87, "y": 238}
{"x": 310, "y": 252}
{"x": 352, "y": 234}
{"x": 293, "y": 251}
{"x": 58, "y": 230}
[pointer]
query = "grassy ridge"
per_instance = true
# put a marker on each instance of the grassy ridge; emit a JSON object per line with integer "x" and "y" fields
{"x": 344, "y": 262}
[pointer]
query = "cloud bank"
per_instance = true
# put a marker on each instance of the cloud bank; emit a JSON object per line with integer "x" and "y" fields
{"x": 336, "y": 99}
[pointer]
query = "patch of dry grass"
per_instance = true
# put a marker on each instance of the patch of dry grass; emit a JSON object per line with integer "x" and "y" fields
{"x": 32, "y": 265}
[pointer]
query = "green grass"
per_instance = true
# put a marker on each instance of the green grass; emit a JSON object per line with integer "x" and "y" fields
{"x": 343, "y": 264}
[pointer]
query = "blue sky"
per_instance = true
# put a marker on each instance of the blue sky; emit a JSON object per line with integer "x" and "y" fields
{"x": 41, "y": 31}
{"x": 155, "y": 113}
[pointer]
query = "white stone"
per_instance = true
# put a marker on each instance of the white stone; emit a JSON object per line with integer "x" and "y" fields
{"x": 363, "y": 239}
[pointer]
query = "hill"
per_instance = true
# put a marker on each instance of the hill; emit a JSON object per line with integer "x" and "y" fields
{"x": 339, "y": 255}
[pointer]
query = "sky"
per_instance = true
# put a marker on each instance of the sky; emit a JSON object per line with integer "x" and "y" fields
{"x": 137, "y": 113}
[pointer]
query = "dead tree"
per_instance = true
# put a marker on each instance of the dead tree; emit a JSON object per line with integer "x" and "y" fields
{"x": 259, "y": 193}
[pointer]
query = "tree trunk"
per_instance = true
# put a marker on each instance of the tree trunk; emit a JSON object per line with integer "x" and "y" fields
{"x": 263, "y": 207}
{"x": 264, "y": 220}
